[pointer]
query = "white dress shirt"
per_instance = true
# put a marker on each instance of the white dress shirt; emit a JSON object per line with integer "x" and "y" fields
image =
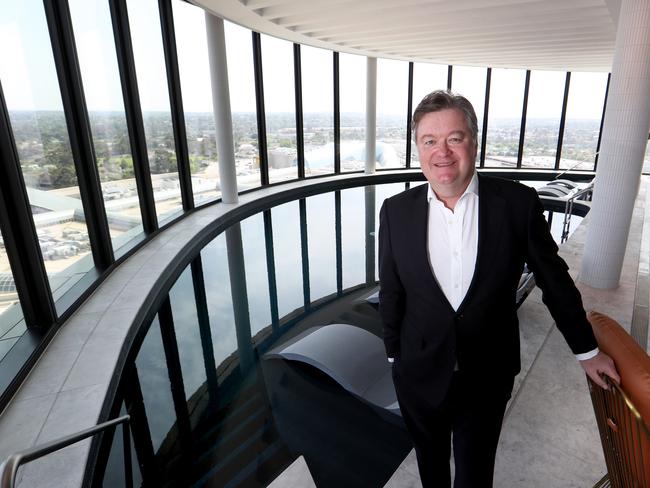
{"x": 452, "y": 243}
{"x": 452, "y": 240}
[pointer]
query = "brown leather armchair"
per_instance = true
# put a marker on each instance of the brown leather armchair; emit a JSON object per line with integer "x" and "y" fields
{"x": 623, "y": 412}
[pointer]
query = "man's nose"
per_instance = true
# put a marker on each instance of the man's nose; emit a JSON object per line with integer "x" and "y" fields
{"x": 443, "y": 147}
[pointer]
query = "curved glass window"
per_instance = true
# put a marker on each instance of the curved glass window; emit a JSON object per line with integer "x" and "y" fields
{"x": 254, "y": 239}
{"x": 374, "y": 199}
{"x": 470, "y": 82}
{"x": 392, "y": 93}
{"x": 219, "y": 297}
{"x": 583, "y": 115}
{"x": 151, "y": 366}
{"x": 241, "y": 81}
{"x": 426, "y": 78}
{"x": 31, "y": 91}
{"x": 288, "y": 253}
{"x": 321, "y": 227}
{"x": 149, "y": 57}
{"x": 194, "y": 70}
{"x": 318, "y": 109}
{"x": 187, "y": 329}
{"x": 353, "y": 236}
{"x": 504, "y": 124}
{"x": 545, "y": 97}
{"x": 101, "y": 79}
{"x": 280, "y": 106}
{"x": 352, "y": 94}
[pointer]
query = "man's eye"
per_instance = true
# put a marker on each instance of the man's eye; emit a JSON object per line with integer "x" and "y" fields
{"x": 429, "y": 142}
{"x": 455, "y": 140}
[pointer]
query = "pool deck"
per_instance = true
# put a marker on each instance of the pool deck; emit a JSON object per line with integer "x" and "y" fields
{"x": 549, "y": 437}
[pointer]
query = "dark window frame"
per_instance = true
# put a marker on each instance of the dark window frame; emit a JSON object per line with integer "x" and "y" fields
{"x": 68, "y": 71}
{"x": 486, "y": 113}
{"x": 133, "y": 113}
{"x": 602, "y": 122}
{"x": 409, "y": 112}
{"x": 524, "y": 115}
{"x": 260, "y": 109}
{"x": 300, "y": 131}
{"x": 560, "y": 137}
{"x": 176, "y": 102}
{"x": 337, "y": 112}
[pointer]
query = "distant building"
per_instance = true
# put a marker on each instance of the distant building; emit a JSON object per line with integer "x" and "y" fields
{"x": 282, "y": 157}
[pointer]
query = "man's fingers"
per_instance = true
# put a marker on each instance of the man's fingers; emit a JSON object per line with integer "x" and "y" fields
{"x": 595, "y": 377}
{"x": 612, "y": 373}
{"x": 601, "y": 363}
{"x": 608, "y": 368}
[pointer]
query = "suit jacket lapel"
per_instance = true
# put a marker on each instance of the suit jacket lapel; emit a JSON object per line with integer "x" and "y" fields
{"x": 491, "y": 209}
{"x": 421, "y": 225}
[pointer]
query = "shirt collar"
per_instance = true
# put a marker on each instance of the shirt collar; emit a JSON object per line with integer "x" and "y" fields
{"x": 472, "y": 188}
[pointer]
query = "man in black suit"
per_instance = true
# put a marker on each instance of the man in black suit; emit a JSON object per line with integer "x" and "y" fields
{"x": 451, "y": 254}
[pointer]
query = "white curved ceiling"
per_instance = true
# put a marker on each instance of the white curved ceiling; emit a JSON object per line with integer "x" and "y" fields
{"x": 574, "y": 35}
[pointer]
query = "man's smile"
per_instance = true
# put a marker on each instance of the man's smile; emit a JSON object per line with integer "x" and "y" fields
{"x": 444, "y": 164}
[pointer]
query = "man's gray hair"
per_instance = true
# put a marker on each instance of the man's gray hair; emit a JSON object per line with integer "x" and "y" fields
{"x": 442, "y": 100}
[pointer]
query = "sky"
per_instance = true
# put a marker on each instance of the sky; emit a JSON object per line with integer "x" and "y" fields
{"x": 29, "y": 81}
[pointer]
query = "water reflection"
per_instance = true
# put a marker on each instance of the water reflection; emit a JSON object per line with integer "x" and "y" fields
{"x": 208, "y": 408}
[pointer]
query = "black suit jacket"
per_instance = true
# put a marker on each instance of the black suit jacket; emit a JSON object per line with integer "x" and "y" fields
{"x": 422, "y": 331}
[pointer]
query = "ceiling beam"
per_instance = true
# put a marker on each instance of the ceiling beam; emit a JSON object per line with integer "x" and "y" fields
{"x": 541, "y": 32}
{"x": 460, "y": 13}
{"x": 424, "y": 26}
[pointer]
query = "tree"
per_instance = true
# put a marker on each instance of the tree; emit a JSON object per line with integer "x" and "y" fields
{"x": 58, "y": 157}
{"x": 127, "y": 168}
{"x": 121, "y": 143}
{"x": 163, "y": 162}
{"x": 102, "y": 151}
{"x": 63, "y": 176}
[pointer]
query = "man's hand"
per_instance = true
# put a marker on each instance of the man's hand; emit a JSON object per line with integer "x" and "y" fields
{"x": 600, "y": 363}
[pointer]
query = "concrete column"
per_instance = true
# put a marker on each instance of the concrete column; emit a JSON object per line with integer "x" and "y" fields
{"x": 625, "y": 135}
{"x": 371, "y": 114}
{"x": 221, "y": 107}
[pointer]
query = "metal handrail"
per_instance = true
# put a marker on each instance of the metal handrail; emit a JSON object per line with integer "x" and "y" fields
{"x": 568, "y": 209}
{"x": 573, "y": 166}
{"x": 9, "y": 467}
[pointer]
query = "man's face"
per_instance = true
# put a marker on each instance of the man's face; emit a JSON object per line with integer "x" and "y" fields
{"x": 447, "y": 151}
